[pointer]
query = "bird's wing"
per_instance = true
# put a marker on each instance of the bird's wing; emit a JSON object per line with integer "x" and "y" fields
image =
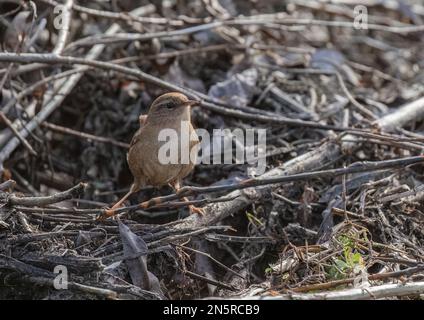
{"x": 135, "y": 138}
{"x": 186, "y": 169}
{"x": 142, "y": 120}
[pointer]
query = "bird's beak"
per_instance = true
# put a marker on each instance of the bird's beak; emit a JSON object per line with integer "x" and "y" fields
{"x": 192, "y": 103}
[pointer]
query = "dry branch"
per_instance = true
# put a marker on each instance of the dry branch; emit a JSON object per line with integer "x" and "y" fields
{"x": 267, "y": 181}
{"x": 375, "y": 292}
{"x": 43, "y": 201}
{"x": 64, "y": 29}
{"x": 245, "y": 113}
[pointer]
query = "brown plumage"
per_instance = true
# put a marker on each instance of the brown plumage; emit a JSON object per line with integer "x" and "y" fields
{"x": 167, "y": 112}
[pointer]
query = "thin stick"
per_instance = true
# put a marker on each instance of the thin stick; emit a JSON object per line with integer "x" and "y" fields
{"x": 22, "y": 139}
{"x": 248, "y": 183}
{"x": 376, "y": 292}
{"x": 7, "y": 184}
{"x": 34, "y": 86}
{"x": 121, "y": 15}
{"x": 263, "y": 20}
{"x": 377, "y": 276}
{"x": 255, "y": 20}
{"x": 64, "y": 29}
{"x": 362, "y": 109}
{"x": 42, "y": 201}
{"x": 213, "y": 259}
{"x": 264, "y": 23}
{"x": 249, "y": 114}
{"x": 84, "y": 135}
{"x": 100, "y": 292}
{"x": 208, "y": 280}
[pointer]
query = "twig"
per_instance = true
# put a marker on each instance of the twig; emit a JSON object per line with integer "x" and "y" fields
{"x": 197, "y": 232}
{"x": 200, "y": 202}
{"x": 362, "y": 109}
{"x": 17, "y": 134}
{"x": 239, "y": 239}
{"x": 269, "y": 23}
{"x": 64, "y": 28}
{"x": 177, "y": 53}
{"x": 249, "y": 114}
{"x": 377, "y": 276}
{"x": 43, "y": 201}
{"x": 248, "y": 183}
{"x": 263, "y": 20}
{"x": 255, "y": 20}
{"x": 401, "y": 116}
{"x": 71, "y": 285}
{"x": 213, "y": 259}
{"x": 27, "y": 238}
{"x": 16, "y": 265}
{"x": 84, "y": 135}
{"x": 7, "y": 184}
{"x": 130, "y": 17}
{"x": 392, "y": 139}
{"x": 208, "y": 280}
{"x": 376, "y": 292}
{"x": 34, "y": 86}
{"x": 59, "y": 210}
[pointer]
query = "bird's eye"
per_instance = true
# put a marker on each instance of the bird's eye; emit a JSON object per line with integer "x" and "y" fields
{"x": 170, "y": 105}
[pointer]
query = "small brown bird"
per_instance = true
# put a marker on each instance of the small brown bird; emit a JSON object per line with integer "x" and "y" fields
{"x": 167, "y": 112}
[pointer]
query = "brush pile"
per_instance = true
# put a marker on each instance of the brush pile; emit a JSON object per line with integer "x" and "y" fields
{"x": 338, "y": 88}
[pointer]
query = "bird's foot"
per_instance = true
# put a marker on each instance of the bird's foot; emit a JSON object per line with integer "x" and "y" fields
{"x": 199, "y": 211}
{"x": 107, "y": 213}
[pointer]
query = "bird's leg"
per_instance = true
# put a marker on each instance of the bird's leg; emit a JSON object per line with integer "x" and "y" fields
{"x": 193, "y": 209}
{"x": 111, "y": 212}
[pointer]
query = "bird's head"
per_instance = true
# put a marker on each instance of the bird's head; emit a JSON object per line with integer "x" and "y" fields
{"x": 171, "y": 106}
